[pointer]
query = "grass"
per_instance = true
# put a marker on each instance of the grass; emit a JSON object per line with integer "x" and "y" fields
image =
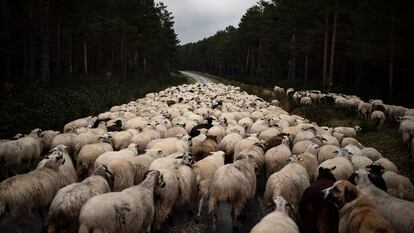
{"x": 50, "y": 107}
{"x": 387, "y": 140}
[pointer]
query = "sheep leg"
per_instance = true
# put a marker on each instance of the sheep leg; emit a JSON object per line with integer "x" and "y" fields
{"x": 234, "y": 220}
{"x": 214, "y": 213}
{"x": 200, "y": 207}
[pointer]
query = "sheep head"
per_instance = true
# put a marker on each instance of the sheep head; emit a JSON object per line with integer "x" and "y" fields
{"x": 102, "y": 170}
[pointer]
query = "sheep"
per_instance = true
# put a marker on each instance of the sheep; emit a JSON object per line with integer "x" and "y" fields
{"x": 67, "y": 172}
{"x": 174, "y": 132}
{"x": 129, "y": 211}
{"x": 348, "y": 131}
{"x": 85, "y": 163}
{"x": 378, "y": 118}
{"x": 47, "y": 137}
{"x": 121, "y": 139}
{"x": 399, "y": 186}
{"x": 406, "y": 130}
{"x": 343, "y": 170}
{"x": 305, "y": 100}
{"x": 258, "y": 126}
{"x": 399, "y": 212}
{"x": 290, "y": 182}
{"x": 170, "y": 145}
{"x": 387, "y": 165}
{"x": 146, "y": 136}
{"x": 25, "y": 150}
{"x": 309, "y": 161}
{"x": 83, "y": 122}
{"x": 204, "y": 170}
{"x": 360, "y": 162}
{"x": 318, "y": 215}
{"x": 233, "y": 183}
{"x": 228, "y": 144}
{"x": 167, "y": 196}
{"x": 126, "y": 173}
{"x": 301, "y": 146}
{"x": 353, "y": 150}
{"x": 195, "y": 130}
{"x": 21, "y": 194}
{"x": 246, "y": 143}
{"x": 276, "y": 158}
{"x": 256, "y": 151}
{"x": 351, "y": 141}
{"x": 67, "y": 139}
{"x": 278, "y": 221}
{"x": 218, "y": 132}
{"x": 66, "y": 205}
{"x": 136, "y": 123}
{"x": 364, "y": 109}
{"x": 371, "y": 153}
{"x": 269, "y": 133}
{"x": 204, "y": 148}
{"x": 327, "y": 152}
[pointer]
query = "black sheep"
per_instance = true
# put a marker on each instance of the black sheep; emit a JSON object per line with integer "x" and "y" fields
{"x": 319, "y": 215}
{"x": 195, "y": 130}
{"x": 116, "y": 127}
{"x": 375, "y": 176}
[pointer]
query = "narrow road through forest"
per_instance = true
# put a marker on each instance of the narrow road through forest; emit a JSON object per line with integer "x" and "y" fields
{"x": 198, "y": 78}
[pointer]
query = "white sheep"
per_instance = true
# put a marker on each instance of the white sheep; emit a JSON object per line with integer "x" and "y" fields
{"x": 387, "y": 165}
{"x": 399, "y": 212}
{"x": 66, "y": 205}
{"x": 399, "y": 186}
{"x": 21, "y": 194}
{"x": 67, "y": 172}
{"x": 129, "y": 211}
{"x": 327, "y": 152}
{"x": 371, "y": 153}
{"x": 290, "y": 183}
{"x": 204, "y": 170}
{"x": 278, "y": 221}
{"x": 121, "y": 139}
{"x": 364, "y": 109}
{"x": 378, "y": 117}
{"x": 276, "y": 158}
{"x": 228, "y": 144}
{"x": 351, "y": 141}
{"x": 171, "y": 145}
{"x": 305, "y": 100}
{"x": 235, "y": 184}
{"x": 85, "y": 163}
{"x": 348, "y": 131}
{"x": 343, "y": 170}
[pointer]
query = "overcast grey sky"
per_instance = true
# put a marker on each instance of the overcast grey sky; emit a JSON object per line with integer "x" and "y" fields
{"x": 196, "y": 19}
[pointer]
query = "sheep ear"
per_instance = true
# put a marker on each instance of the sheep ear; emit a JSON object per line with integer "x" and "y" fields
{"x": 333, "y": 168}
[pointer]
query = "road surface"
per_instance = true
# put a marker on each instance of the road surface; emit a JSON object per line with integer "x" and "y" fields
{"x": 198, "y": 78}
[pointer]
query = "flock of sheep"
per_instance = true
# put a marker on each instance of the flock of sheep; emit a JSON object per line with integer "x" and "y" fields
{"x": 127, "y": 169}
{"x": 375, "y": 110}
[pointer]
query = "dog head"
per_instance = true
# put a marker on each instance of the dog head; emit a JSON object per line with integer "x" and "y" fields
{"x": 341, "y": 193}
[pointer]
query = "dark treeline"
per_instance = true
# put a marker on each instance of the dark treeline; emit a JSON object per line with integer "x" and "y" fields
{"x": 66, "y": 59}
{"x": 356, "y": 46}
{"x": 43, "y": 40}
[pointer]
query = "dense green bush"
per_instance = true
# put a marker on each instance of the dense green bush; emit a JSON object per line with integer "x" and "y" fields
{"x": 50, "y": 107}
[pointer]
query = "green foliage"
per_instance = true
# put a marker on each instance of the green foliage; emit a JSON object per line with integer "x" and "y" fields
{"x": 51, "y": 108}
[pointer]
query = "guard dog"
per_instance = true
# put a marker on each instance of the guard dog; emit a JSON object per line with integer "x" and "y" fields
{"x": 356, "y": 213}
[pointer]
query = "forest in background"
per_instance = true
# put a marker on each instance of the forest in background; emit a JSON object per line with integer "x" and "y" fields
{"x": 362, "y": 47}
{"x": 61, "y": 60}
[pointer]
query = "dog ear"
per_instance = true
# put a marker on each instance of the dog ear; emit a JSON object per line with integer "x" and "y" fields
{"x": 351, "y": 193}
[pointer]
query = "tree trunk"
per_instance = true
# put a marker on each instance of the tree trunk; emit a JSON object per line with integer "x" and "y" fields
{"x": 6, "y": 41}
{"x": 44, "y": 42}
{"x": 391, "y": 58}
{"x": 58, "y": 47}
{"x": 292, "y": 61}
{"x": 325, "y": 52}
{"x": 85, "y": 58}
{"x": 305, "y": 76}
{"x": 70, "y": 55}
{"x": 259, "y": 58}
{"x": 247, "y": 59}
{"x": 332, "y": 64}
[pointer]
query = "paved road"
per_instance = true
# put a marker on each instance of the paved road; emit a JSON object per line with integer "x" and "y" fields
{"x": 198, "y": 78}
